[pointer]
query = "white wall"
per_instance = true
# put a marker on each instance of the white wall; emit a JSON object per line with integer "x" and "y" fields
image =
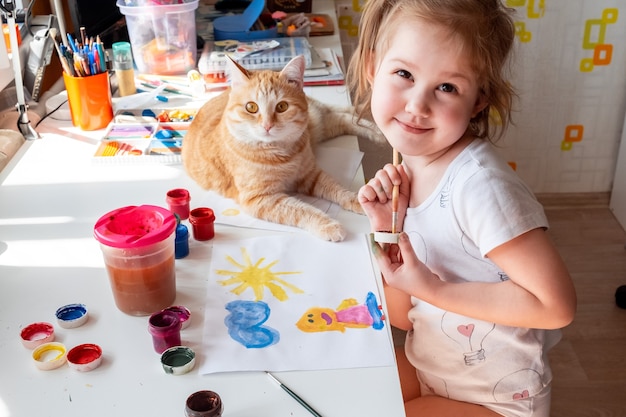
{"x": 571, "y": 108}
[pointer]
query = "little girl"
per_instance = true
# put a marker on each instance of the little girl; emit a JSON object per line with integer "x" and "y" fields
{"x": 474, "y": 277}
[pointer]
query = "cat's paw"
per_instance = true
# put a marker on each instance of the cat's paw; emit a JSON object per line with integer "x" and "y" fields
{"x": 332, "y": 231}
{"x": 354, "y": 206}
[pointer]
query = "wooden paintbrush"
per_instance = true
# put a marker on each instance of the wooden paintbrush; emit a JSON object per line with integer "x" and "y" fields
{"x": 394, "y": 197}
{"x": 53, "y": 34}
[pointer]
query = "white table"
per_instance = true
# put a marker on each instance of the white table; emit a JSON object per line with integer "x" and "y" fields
{"x": 51, "y": 194}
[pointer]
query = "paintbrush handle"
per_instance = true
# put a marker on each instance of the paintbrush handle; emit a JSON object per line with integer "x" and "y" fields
{"x": 394, "y": 196}
{"x": 64, "y": 63}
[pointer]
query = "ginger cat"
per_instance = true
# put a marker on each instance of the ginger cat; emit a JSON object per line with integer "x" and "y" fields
{"x": 254, "y": 144}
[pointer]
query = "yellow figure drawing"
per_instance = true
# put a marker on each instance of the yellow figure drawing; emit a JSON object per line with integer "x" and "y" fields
{"x": 349, "y": 314}
{"x": 257, "y": 277}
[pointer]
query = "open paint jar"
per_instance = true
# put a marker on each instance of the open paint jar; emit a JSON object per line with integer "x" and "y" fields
{"x": 137, "y": 243}
{"x": 204, "y": 404}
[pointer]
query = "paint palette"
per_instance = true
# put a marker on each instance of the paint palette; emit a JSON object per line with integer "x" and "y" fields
{"x": 145, "y": 136}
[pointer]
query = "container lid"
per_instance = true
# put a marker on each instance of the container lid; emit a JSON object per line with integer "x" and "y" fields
{"x": 49, "y": 356}
{"x": 122, "y": 56}
{"x": 72, "y": 315}
{"x": 36, "y": 334}
{"x": 85, "y": 357}
{"x": 138, "y": 8}
{"x": 135, "y": 226}
{"x": 178, "y": 360}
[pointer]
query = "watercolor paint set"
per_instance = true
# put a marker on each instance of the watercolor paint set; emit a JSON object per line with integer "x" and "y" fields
{"x": 145, "y": 136}
{"x": 266, "y": 54}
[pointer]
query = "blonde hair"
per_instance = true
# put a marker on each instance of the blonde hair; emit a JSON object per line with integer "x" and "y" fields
{"x": 485, "y": 29}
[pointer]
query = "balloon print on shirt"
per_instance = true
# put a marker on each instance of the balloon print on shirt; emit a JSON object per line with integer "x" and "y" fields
{"x": 519, "y": 385}
{"x": 469, "y": 334}
{"x": 419, "y": 246}
{"x": 471, "y": 250}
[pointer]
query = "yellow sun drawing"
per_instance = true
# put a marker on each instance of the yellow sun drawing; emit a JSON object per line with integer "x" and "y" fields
{"x": 257, "y": 277}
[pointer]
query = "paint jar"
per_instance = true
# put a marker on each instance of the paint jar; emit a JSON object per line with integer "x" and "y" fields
{"x": 164, "y": 326}
{"x": 202, "y": 220}
{"x": 204, "y": 404}
{"x": 137, "y": 243}
{"x": 178, "y": 202}
{"x": 182, "y": 241}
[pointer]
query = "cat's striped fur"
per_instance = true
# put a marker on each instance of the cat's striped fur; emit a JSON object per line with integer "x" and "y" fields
{"x": 254, "y": 144}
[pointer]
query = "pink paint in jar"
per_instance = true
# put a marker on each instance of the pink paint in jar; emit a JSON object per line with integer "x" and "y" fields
{"x": 164, "y": 326}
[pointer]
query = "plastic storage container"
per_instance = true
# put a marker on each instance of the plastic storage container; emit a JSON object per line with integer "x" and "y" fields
{"x": 137, "y": 243}
{"x": 162, "y": 36}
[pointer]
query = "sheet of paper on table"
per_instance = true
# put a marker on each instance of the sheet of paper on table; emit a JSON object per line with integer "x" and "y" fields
{"x": 293, "y": 302}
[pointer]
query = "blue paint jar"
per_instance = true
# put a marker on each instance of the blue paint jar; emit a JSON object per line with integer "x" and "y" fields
{"x": 182, "y": 241}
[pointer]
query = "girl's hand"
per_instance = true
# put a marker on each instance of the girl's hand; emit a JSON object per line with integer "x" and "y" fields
{"x": 402, "y": 269}
{"x": 375, "y": 197}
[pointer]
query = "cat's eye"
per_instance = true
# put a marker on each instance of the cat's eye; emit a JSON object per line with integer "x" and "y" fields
{"x": 252, "y": 107}
{"x": 282, "y": 107}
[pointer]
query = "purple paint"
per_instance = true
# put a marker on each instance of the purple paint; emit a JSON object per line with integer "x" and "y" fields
{"x": 164, "y": 327}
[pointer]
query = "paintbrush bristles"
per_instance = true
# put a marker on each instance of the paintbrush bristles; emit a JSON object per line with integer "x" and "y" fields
{"x": 394, "y": 197}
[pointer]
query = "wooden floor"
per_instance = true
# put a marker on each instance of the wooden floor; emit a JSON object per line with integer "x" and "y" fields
{"x": 589, "y": 363}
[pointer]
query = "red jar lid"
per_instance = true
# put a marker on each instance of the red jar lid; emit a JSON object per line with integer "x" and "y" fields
{"x": 85, "y": 357}
{"x": 135, "y": 226}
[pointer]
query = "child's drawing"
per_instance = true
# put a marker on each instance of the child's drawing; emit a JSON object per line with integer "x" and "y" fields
{"x": 349, "y": 314}
{"x": 245, "y": 324}
{"x": 258, "y": 288}
{"x": 257, "y": 277}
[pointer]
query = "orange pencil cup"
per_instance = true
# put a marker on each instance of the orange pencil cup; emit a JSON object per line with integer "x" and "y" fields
{"x": 90, "y": 100}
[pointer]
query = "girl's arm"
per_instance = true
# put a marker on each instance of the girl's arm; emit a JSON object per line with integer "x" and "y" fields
{"x": 539, "y": 293}
{"x": 398, "y": 306}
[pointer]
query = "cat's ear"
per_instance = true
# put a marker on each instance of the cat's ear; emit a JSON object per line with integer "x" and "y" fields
{"x": 237, "y": 74}
{"x": 294, "y": 70}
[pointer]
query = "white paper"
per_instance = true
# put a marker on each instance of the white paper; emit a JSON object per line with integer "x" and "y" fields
{"x": 292, "y": 274}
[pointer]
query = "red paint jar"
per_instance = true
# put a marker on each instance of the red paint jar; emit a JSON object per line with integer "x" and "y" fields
{"x": 178, "y": 201}
{"x": 164, "y": 326}
{"x": 202, "y": 220}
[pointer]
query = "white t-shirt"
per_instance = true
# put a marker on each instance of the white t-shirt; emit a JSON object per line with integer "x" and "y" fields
{"x": 479, "y": 204}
